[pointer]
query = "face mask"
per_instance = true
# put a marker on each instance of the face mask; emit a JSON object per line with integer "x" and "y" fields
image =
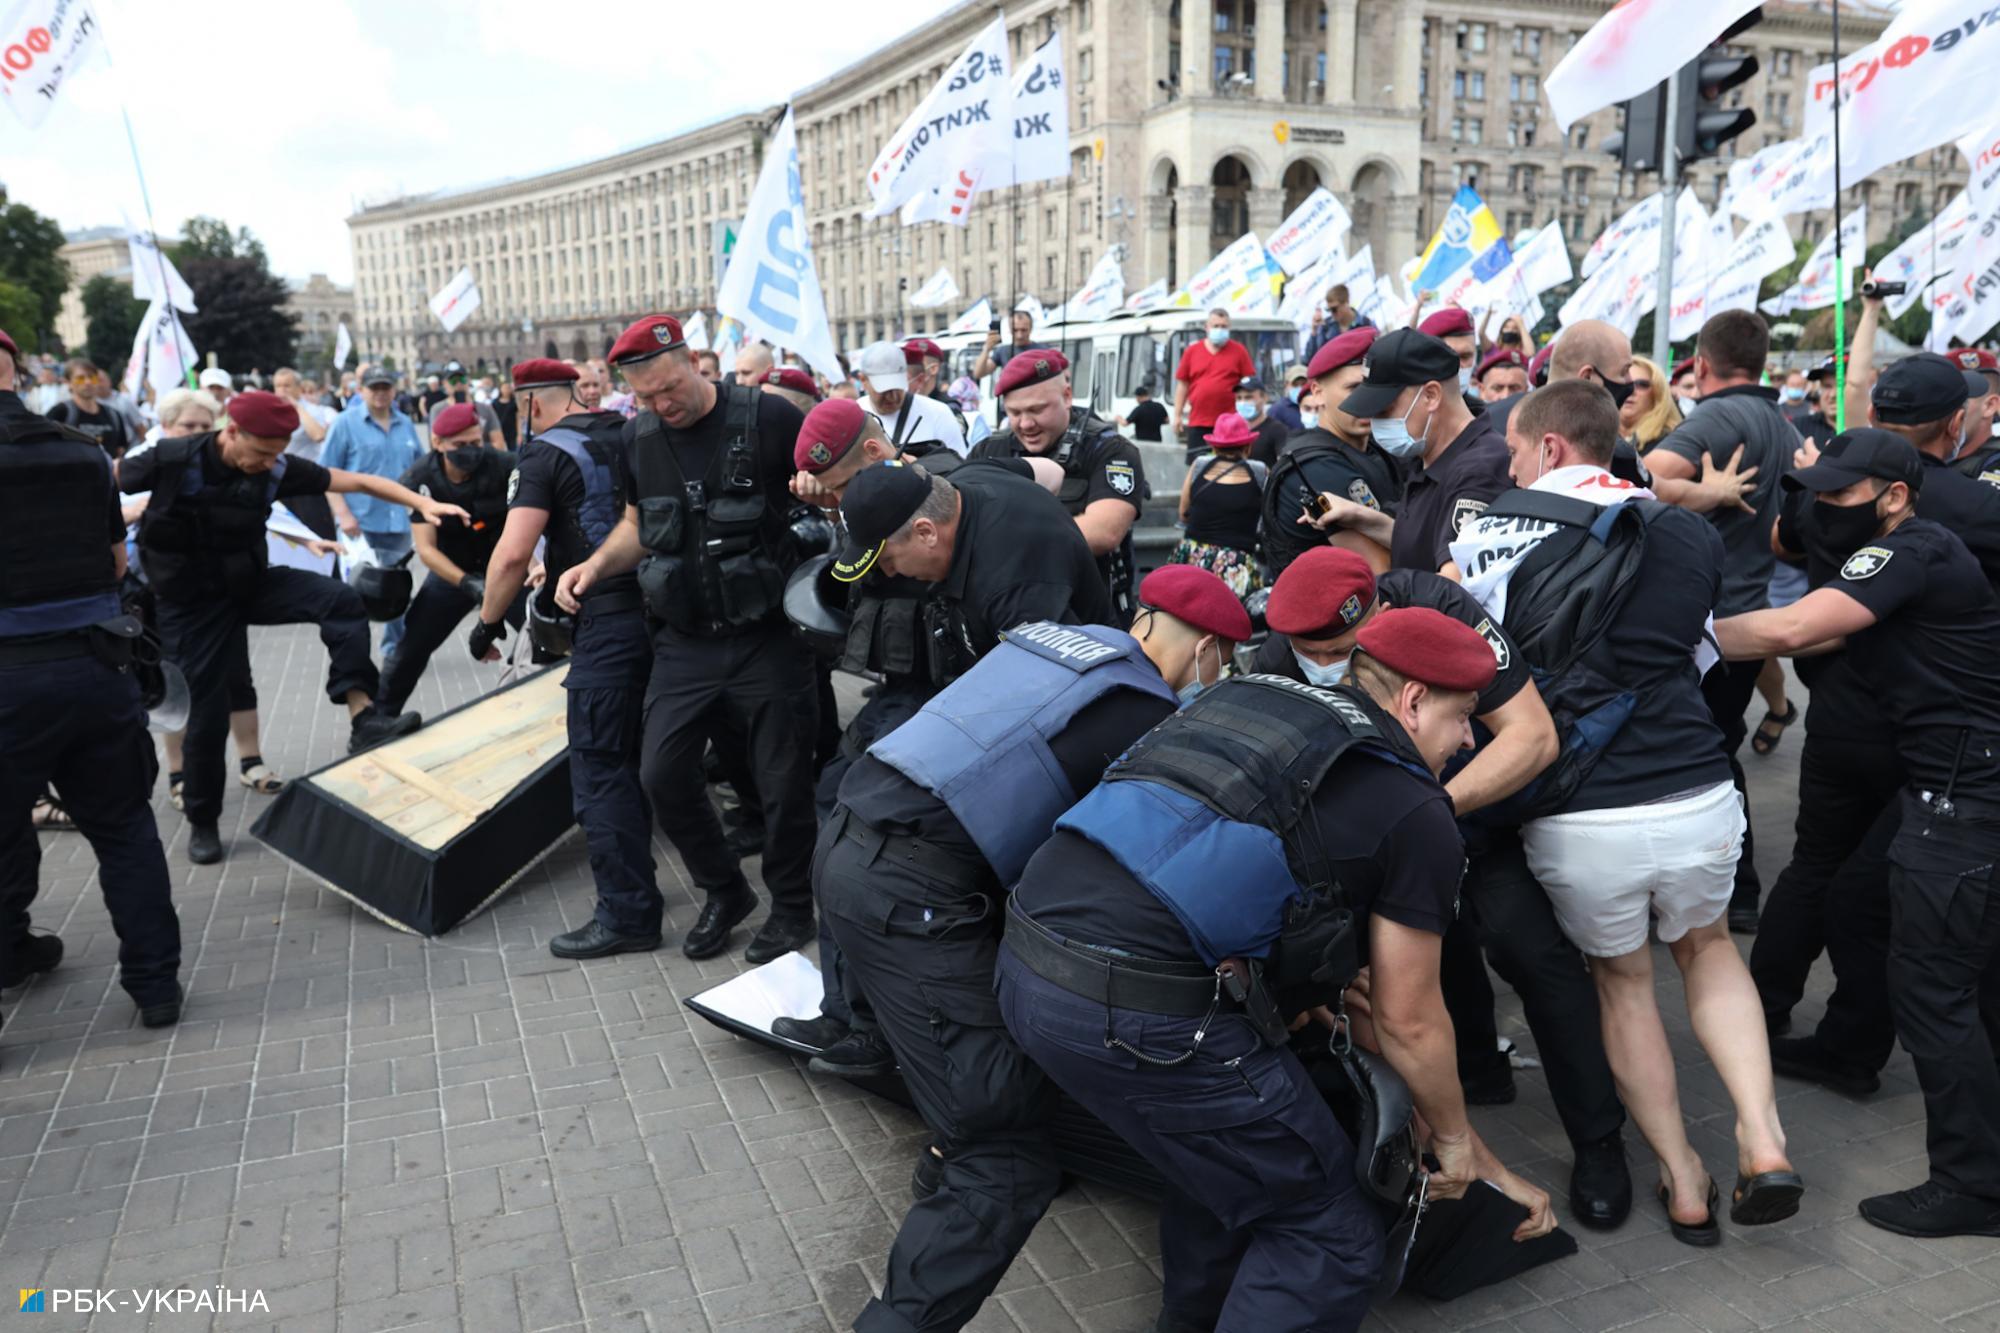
{"x": 1509, "y": 338}
{"x": 1325, "y": 677}
{"x": 1217, "y": 337}
{"x": 464, "y": 458}
{"x": 1246, "y": 409}
{"x": 1845, "y": 529}
{"x": 1310, "y": 421}
{"x": 1193, "y": 689}
{"x": 1793, "y": 395}
{"x": 1619, "y": 390}
{"x": 1293, "y": 393}
{"x": 1392, "y": 434}
{"x": 1465, "y": 379}
{"x": 1687, "y": 404}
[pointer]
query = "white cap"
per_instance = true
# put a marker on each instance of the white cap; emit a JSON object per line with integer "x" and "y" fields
{"x": 884, "y": 366}
{"x": 215, "y": 378}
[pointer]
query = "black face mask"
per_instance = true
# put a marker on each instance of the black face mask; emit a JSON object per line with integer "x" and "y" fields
{"x": 1619, "y": 390}
{"x": 465, "y": 458}
{"x": 1845, "y": 529}
{"x": 1510, "y": 338}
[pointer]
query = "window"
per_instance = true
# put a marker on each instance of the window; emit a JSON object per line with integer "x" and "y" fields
{"x": 1528, "y": 43}
{"x": 1475, "y": 130}
{"x": 1083, "y": 66}
{"x": 1781, "y": 63}
{"x": 1223, "y": 66}
{"x": 1582, "y": 136}
{"x": 1225, "y": 15}
{"x": 1522, "y": 178}
{"x": 1051, "y": 279}
{"x": 1524, "y": 88}
{"x": 1458, "y": 129}
{"x": 1472, "y": 36}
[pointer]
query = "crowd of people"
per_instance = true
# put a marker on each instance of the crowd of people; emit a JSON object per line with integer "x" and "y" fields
{"x": 1450, "y": 670}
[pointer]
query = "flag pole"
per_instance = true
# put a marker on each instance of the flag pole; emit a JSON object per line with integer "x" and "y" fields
{"x": 146, "y": 202}
{"x": 1663, "y": 304}
{"x": 1839, "y": 258}
{"x": 1069, "y": 218}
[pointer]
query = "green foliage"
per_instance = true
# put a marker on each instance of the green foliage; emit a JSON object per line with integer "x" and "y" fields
{"x": 31, "y": 260}
{"x": 112, "y": 316}
{"x": 18, "y": 311}
{"x": 243, "y": 319}
{"x": 210, "y": 238}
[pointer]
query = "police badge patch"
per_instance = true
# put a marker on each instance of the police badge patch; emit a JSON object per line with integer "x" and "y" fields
{"x": 820, "y": 454}
{"x": 1496, "y": 642}
{"x": 1866, "y": 563}
{"x": 424, "y": 490}
{"x": 1463, "y": 512}
{"x": 1357, "y": 491}
{"x": 513, "y": 484}
{"x": 1121, "y": 477}
{"x": 1350, "y": 610}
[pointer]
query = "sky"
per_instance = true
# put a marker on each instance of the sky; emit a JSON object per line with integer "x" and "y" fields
{"x": 284, "y": 115}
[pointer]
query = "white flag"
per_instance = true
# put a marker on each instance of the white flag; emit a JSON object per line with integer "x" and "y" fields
{"x": 1967, "y": 304}
{"x": 1732, "y": 271}
{"x": 1817, "y": 284}
{"x": 1224, "y": 274}
{"x": 1632, "y": 48}
{"x": 728, "y": 341}
{"x": 1907, "y": 90}
{"x": 963, "y": 124}
{"x": 1303, "y": 292}
{"x": 1038, "y": 317}
{"x": 170, "y": 352}
{"x": 154, "y": 275}
{"x": 42, "y": 43}
{"x": 1316, "y": 226}
{"x": 1102, "y": 292}
{"x": 1152, "y": 295}
{"x": 772, "y": 287}
{"x": 694, "y": 331}
{"x": 977, "y": 318}
{"x": 1539, "y": 263}
{"x": 1642, "y": 218}
{"x": 343, "y": 345}
{"x": 940, "y": 288}
{"x": 455, "y": 304}
{"x": 1040, "y": 118}
{"x": 1911, "y": 263}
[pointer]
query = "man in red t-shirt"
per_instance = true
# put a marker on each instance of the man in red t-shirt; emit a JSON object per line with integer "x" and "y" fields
{"x": 1205, "y": 382}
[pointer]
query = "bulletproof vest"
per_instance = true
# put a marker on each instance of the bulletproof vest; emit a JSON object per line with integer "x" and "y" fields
{"x": 602, "y": 505}
{"x": 1212, "y": 809}
{"x": 56, "y": 569}
{"x": 1285, "y": 539}
{"x": 483, "y": 495}
{"x": 1983, "y": 465}
{"x": 886, "y": 633}
{"x": 718, "y": 551}
{"x": 982, "y": 745}
{"x": 940, "y": 460}
{"x": 200, "y": 539}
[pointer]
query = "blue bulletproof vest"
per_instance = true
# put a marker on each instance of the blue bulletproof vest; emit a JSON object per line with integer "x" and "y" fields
{"x": 600, "y": 510}
{"x": 1211, "y": 809}
{"x": 982, "y": 745}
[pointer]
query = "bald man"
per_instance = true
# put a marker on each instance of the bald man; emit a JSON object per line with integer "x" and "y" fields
{"x": 1589, "y": 349}
{"x": 752, "y": 362}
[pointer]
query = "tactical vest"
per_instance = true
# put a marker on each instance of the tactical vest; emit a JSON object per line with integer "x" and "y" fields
{"x": 1284, "y": 538}
{"x": 1211, "y": 810}
{"x": 982, "y": 746}
{"x": 199, "y": 540}
{"x": 602, "y": 505}
{"x": 56, "y": 569}
{"x": 483, "y": 495}
{"x": 1078, "y": 453}
{"x": 718, "y": 551}
{"x": 1984, "y": 465}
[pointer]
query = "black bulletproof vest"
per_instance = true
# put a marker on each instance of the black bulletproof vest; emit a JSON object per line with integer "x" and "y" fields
{"x": 203, "y": 536}
{"x": 55, "y": 485}
{"x": 483, "y": 495}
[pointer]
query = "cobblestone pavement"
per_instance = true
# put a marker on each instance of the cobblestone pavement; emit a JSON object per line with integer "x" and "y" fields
{"x": 379, "y": 1132}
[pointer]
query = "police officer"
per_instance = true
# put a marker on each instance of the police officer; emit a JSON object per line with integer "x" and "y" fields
{"x": 460, "y": 469}
{"x": 567, "y": 488}
{"x": 1452, "y": 326}
{"x": 69, "y": 709}
{"x": 1104, "y": 481}
{"x": 934, "y": 823}
{"x": 707, "y": 474}
{"x": 1922, "y": 628}
{"x": 1317, "y": 608}
{"x": 1230, "y": 873}
{"x": 1332, "y": 455}
{"x": 1979, "y": 456}
{"x": 202, "y": 543}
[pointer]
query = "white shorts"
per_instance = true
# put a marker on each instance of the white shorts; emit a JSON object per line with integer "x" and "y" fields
{"x": 1604, "y": 869}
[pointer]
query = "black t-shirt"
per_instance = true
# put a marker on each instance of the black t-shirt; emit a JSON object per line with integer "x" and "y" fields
{"x": 1146, "y": 419}
{"x": 1745, "y": 416}
{"x": 1270, "y": 442}
{"x": 1225, "y": 513}
{"x": 107, "y": 425}
{"x": 1439, "y": 500}
{"x": 1101, "y": 731}
{"x": 431, "y": 398}
{"x": 141, "y": 471}
{"x": 464, "y": 545}
{"x": 1110, "y": 466}
{"x": 547, "y": 478}
{"x": 1389, "y": 836}
{"x": 1018, "y": 557}
{"x": 1932, "y": 659}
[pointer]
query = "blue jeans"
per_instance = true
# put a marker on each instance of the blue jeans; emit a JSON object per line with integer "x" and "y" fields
{"x": 389, "y": 547}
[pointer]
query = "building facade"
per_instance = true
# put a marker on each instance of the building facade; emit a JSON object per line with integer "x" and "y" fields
{"x": 319, "y": 305}
{"x": 89, "y": 252}
{"x": 1191, "y": 122}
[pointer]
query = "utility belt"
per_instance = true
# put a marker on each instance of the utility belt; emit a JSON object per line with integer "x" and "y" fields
{"x": 928, "y": 859}
{"x": 1117, "y": 981}
{"x": 1962, "y": 809}
{"x": 109, "y": 641}
{"x": 616, "y": 602}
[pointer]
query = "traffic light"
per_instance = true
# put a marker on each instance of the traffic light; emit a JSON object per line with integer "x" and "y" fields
{"x": 1641, "y": 138}
{"x": 1705, "y": 122}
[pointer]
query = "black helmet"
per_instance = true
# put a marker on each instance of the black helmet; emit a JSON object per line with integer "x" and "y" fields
{"x": 384, "y": 591}
{"x": 813, "y": 532}
{"x": 824, "y": 626}
{"x": 552, "y": 632}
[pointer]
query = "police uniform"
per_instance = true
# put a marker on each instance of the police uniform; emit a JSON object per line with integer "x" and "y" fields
{"x": 713, "y": 502}
{"x": 1317, "y": 462}
{"x": 574, "y": 472}
{"x": 1259, "y": 803}
{"x": 70, "y": 712}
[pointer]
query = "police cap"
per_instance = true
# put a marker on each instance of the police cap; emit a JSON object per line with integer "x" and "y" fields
{"x": 1450, "y": 322}
{"x": 830, "y": 430}
{"x": 1031, "y": 365}
{"x": 1429, "y": 646}
{"x": 645, "y": 339}
{"x": 1344, "y": 350}
{"x": 1856, "y": 454}
{"x": 875, "y": 506}
{"x": 791, "y": 377}
{"x": 1502, "y": 356}
{"x": 1197, "y": 598}
{"x": 454, "y": 420}
{"x": 1398, "y": 361}
{"x": 916, "y": 349}
{"x": 542, "y": 372}
{"x": 1919, "y": 388}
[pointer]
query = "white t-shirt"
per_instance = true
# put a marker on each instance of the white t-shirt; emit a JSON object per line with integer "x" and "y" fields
{"x": 303, "y": 445}
{"x": 927, "y": 421}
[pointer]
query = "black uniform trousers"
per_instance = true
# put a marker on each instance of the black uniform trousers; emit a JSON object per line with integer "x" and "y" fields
{"x": 78, "y": 724}
{"x": 762, "y": 680}
{"x": 434, "y": 613}
{"x": 1844, "y": 787}
{"x": 1944, "y": 985}
{"x": 922, "y": 944}
{"x": 1505, "y": 911}
{"x": 611, "y": 658}
{"x": 1727, "y": 689}
{"x": 1263, "y": 1226}
{"x": 198, "y": 637}
{"x": 1858, "y": 1025}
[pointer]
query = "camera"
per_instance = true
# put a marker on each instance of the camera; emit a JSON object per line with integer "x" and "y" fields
{"x": 1874, "y": 290}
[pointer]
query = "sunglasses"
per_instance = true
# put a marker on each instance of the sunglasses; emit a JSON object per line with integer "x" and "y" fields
{"x": 1641, "y": 384}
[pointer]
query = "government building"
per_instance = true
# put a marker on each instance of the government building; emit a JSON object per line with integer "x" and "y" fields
{"x": 1191, "y": 122}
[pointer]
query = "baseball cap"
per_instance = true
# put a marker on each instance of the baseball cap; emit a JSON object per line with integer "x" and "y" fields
{"x": 1856, "y": 454}
{"x": 875, "y": 506}
{"x": 884, "y": 365}
{"x": 453, "y": 368}
{"x": 215, "y": 377}
{"x": 1921, "y": 388}
{"x": 377, "y": 375}
{"x": 1296, "y": 372}
{"x": 1395, "y": 362}
{"x": 1823, "y": 371}
{"x": 1251, "y": 384}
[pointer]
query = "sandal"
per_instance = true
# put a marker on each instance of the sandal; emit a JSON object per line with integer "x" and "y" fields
{"x": 1769, "y": 1196}
{"x": 174, "y": 790}
{"x": 258, "y": 777}
{"x": 1702, "y": 1234}
{"x": 50, "y": 815}
{"x": 1772, "y": 729}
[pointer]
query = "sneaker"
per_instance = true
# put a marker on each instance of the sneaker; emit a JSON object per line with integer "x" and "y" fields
{"x": 1932, "y": 1210}
{"x": 857, "y": 1055}
{"x": 782, "y": 932}
{"x": 372, "y": 726}
{"x": 1805, "y": 1059}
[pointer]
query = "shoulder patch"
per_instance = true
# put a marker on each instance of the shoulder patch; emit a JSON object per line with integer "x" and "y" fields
{"x": 424, "y": 489}
{"x": 1991, "y": 477}
{"x": 513, "y": 484}
{"x": 1496, "y": 642}
{"x": 1357, "y": 491}
{"x": 1122, "y": 478}
{"x": 1866, "y": 563}
{"x": 1463, "y": 511}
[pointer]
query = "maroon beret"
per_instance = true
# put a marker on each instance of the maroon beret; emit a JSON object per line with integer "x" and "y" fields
{"x": 916, "y": 349}
{"x": 1450, "y": 322}
{"x": 791, "y": 377}
{"x": 1681, "y": 368}
{"x": 1538, "y": 365}
{"x": 1968, "y": 358}
{"x": 1429, "y": 646}
{"x": 1345, "y": 350}
{"x": 1502, "y": 356}
{"x": 645, "y": 339}
{"x": 1031, "y": 365}
{"x": 830, "y": 430}
{"x": 264, "y": 415}
{"x": 452, "y": 419}
{"x": 542, "y": 372}
{"x": 1231, "y": 431}
{"x": 1321, "y": 595}
{"x": 8, "y": 343}
{"x": 1194, "y": 596}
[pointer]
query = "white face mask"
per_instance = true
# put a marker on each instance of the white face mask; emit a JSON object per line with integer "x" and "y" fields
{"x": 1310, "y": 421}
{"x": 1465, "y": 379}
{"x": 1217, "y": 337}
{"x": 1325, "y": 677}
{"x": 1246, "y": 408}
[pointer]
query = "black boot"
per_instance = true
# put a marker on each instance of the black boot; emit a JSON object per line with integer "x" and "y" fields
{"x": 1804, "y": 1058}
{"x": 858, "y": 1055}
{"x": 372, "y": 726}
{"x": 204, "y": 844}
{"x": 163, "y": 1013}
{"x": 596, "y": 940}
{"x": 1600, "y": 1183}
{"x": 719, "y": 915}
{"x": 37, "y": 953}
{"x": 1932, "y": 1209}
{"x": 818, "y": 1033}
{"x": 782, "y": 932}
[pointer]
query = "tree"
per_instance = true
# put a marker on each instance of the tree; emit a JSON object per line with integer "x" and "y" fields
{"x": 210, "y": 238}
{"x": 112, "y": 316}
{"x": 243, "y": 319}
{"x": 31, "y": 259}
{"x": 18, "y": 310}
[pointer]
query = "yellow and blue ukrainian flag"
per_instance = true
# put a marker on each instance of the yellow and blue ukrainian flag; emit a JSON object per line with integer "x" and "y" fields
{"x": 1470, "y": 237}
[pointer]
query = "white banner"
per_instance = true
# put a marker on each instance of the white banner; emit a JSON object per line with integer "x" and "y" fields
{"x": 1911, "y": 263}
{"x": 154, "y": 275}
{"x": 1982, "y": 162}
{"x": 1224, "y": 274}
{"x": 1031, "y": 306}
{"x": 1632, "y": 48}
{"x": 1316, "y": 227}
{"x": 455, "y": 304}
{"x": 694, "y": 330}
{"x": 42, "y": 43}
{"x": 1906, "y": 91}
{"x": 1304, "y": 295}
{"x": 1040, "y": 118}
{"x": 728, "y": 341}
{"x": 1640, "y": 219}
{"x": 170, "y": 352}
{"x": 1967, "y": 304}
{"x": 771, "y": 287}
{"x": 964, "y": 125}
{"x": 1102, "y": 292}
{"x": 1733, "y": 272}
{"x": 977, "y": 319}
{"x": 1152, "y": 295}
{"x": 938, "y": 289}
{"x": 1816, "y": 285}
{"x": 1541, "y": 263}
{"x": 343, "y": 345}
{"x": 1798, "y": 181}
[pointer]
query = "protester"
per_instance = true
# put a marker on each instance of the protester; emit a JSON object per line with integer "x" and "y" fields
{"x": 908, "y": 416}
{"x": 1333, "y": 317}
{"x": 1650, "y": 414}
{"x": 1285, "y": 408}
{"x": 378, "y": 442}
{"x": 1146, "y": 417}
{"x": 1253, "y": 405}
{"x": 1205, "y": 382}
{"x": 84, "y": 412}
{"x": 1221, "y": 498}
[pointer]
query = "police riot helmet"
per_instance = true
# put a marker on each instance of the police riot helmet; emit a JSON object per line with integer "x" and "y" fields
{"x": 164, "y": 695}
{"x": 812, "y": 531}
{"x": 384, "y": 591}
{"x": 823, "y": 627}
{"x": 550, "y": 630}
